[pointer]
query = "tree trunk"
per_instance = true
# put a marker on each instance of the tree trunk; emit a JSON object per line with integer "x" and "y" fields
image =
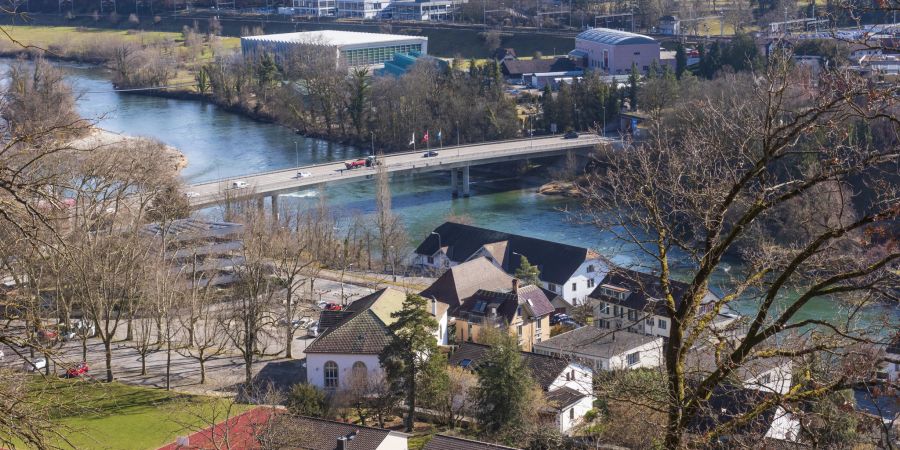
{"x": 289, "y": 333}
{"x": 107, "y": 347}
{"x": 129, "y": 330}
{"x": 84, "y": 348}
{"x": 202, "y": 370}
{"x": 143, "y": 364}
{"x": 411, "y": 403}
{"x": 168, "y": 362}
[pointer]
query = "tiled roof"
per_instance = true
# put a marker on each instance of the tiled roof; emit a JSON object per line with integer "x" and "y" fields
{"x": 462, "y": 281}
{"x": 442, "y": 442}
{"x": 530, "y": 297}
{"x": 328, "y": 319}
{"x": 728, "y": 403}
{"x": 597, "y": 342}
{"x": 321, "y": 434}
{"x": 363, "y": 330}
{"x": 563, "y": 397}
{"x": 556, "y": 261}
{"x": 544, "y": 369}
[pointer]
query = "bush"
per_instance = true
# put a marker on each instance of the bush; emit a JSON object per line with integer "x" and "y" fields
{"x": 307, "y": 400}
{"x": 590, "y": 415}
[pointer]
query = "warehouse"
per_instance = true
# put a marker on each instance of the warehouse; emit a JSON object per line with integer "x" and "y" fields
{"x": 613, "y": 51}
{"x": 352, "y": 48}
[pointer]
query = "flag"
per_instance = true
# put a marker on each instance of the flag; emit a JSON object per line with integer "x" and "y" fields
{"x": 439, "y": 135}
{"x": 425, "y": 137}
{"x": 413, "y": 140}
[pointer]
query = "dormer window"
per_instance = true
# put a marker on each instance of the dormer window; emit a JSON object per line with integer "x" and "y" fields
{"x": 614, "y": 291}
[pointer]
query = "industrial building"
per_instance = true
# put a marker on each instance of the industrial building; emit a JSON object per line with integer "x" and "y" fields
{"x": 613, "y": 51}
{"x": 353, "y": 48}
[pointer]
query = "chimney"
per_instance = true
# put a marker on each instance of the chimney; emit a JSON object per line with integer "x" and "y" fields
{"x": 343, "y": 442}
{"x": 515, "y": 285}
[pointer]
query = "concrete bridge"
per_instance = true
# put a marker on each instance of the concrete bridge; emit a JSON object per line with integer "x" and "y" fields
{"x": 456, "y": 160}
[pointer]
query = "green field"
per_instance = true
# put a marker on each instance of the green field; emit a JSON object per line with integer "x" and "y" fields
{"x": 117, "y": 416}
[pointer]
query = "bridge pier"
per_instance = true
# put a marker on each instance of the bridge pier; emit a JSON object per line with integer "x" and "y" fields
{"x": 465, "y": 181}
{"x": 261, "y": 205}
{"x": 454, "y": 182}
{"x": 275, "y": 206}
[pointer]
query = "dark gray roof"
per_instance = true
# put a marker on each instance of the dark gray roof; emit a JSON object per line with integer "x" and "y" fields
{"x": 211, "y": 249}
{"x": 563, "y": 397}
{"x": 442, "y": 442}
{"x": 544, "y": 369}
{"x": 328, "y": 319}
{"x": 614, "y": 37}
{"x": 894, "y": 346}
{"x": 645, "y": 290}
{"x": 531, "y": 298}
{"x": 360, "y": 331}
{"x": 556, "y": 261}
{"x": 321, "y": 434}
{"x": 593, "y": 341}
{"x": 187, "y": 229}
{"x": 517, "y": 67}
{"x": 728, "y": 403}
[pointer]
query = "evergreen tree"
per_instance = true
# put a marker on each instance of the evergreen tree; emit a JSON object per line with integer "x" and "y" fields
{"x": 528, "y": 273}
{"x": 504, "y": 392}
{"x": 406, "y": 358}
{"x": 549, "y": 108}
{"x": 680, "y": 60}
{"x": 633, "y": 86}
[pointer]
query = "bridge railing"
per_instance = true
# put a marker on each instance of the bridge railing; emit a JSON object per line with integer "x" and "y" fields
{"x": 299, "y": 183}
{"x": 577, "y": 142}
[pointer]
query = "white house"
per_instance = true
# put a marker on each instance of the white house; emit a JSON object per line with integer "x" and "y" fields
{"x": 569, "y": 271}
{"x": 604, "y": 349}
{"x": 627, "y": 299}
{"x": 350, "y": 348}
{"x": 729, "y": 403}
{"x": 770, "y": 375}
{"x": 568, "y": 385}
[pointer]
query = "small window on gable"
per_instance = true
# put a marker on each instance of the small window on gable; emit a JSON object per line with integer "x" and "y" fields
{"x": 633, "y": 358}
{"x": 431, "y": 260}
{"x": 590, "y": 268}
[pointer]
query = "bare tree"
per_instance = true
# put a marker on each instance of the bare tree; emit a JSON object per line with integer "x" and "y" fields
{"x": 206, "y": 339}
{"x": 711, "y": 190}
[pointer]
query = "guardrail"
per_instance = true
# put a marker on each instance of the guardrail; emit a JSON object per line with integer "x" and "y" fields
{"x": 337, "y": 175}
{"x": 412, "y": 152}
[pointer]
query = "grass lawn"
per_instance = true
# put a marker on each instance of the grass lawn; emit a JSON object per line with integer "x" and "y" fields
{"x": 117, "y": 416}
{"x": 47, "y": 36}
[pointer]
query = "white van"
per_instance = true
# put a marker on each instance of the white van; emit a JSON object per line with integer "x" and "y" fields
{"x": 239, "y": 184}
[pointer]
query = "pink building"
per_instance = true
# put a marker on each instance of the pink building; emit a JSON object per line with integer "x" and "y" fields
{"x": 613, "y": 51}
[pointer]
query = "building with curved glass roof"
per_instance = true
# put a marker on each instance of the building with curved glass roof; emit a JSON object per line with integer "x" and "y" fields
{"x": 614, "y": 37}
{"x": 613, "y": 51}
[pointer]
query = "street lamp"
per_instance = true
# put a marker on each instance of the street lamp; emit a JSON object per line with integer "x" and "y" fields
{"x": 343, "y": 269}
{"x": 393, "y": 265}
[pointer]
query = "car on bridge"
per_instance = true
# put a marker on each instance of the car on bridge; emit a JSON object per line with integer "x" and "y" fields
{"x": 238, "y": 184}
{"x": 570, "y": 135}
{"x": 430, "y": 154}
{"x": 303, "y": 174}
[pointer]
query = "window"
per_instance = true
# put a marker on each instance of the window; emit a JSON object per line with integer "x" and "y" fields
{"x": 360, "y": 373}
{"x": 765, "y": 379}
{"x": 637, "y": 53}
{"x": 469, "y": 334}
{"x": 519, "y": 310}
{"x": 633, "y": 358}
{"x": 574, "y": 287}
{"x": 571, "y": 413}
{"x": 632, "y": 314}
{"x": 519, "y": 330}
{"x": 431, "y": 260}
{"x": 604, "y": 308}
{"x": 551, "y": 287}
{"x": 661, "y": 324}
{"x": 590, "y": 268}
{"x": 465, "y": 363}
{"x": 331, "y": 375}
{"x": 650, "y": 322}
{"x": 616, "y": 311}
{"x": 590, "y": 282}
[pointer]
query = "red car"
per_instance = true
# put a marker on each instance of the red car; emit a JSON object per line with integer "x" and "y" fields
{"x": 80, "y": 370}
{"x": 355, "y": 164}
{"x": 46, "y": 334}
{"x": 332, "y": 307}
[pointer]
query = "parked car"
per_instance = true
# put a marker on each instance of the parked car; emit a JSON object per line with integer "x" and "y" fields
{"x": 354, "y": 164}
{"x": 79, "y": 370}
{"x": 332, "y": 307}
{"x": 313, "y": 330}
{"x": 570, "y": 135}
{"x": 303, "y": 174}
{"x": 1, "y": 355}
{"x": 238, "y": 184}
{"x": 429, "y": 154}
{"x": 47, "y": 334}
{"x": 569, "y": 323}
{"x": 77, "y": 329}
{"x": 557, "y": 318}
{"x": 34, "y": 365}
{"x": 372, "y": 161}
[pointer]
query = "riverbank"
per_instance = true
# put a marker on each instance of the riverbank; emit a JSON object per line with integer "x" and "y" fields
{"x": 99, "y": 138}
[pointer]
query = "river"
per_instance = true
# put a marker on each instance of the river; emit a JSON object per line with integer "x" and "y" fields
{"x": 220, "y": 144}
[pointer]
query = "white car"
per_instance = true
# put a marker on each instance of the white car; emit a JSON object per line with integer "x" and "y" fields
{"x": 303, "y": 174}
{"x": 238, "y": 184}
{"x": 35, "y": 365}
{"x": 313, "y": 330}
{"x": 191, "y": 194}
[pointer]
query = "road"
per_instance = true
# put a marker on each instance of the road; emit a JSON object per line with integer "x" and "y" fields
{"x": 283, "y": 181}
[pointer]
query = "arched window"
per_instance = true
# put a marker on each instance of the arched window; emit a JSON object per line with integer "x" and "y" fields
{"x": 331, "y": 375}
{"x": 360, "y": 372}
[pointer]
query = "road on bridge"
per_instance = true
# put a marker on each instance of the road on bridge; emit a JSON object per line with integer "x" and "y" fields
{"x": 289, "y": 180}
